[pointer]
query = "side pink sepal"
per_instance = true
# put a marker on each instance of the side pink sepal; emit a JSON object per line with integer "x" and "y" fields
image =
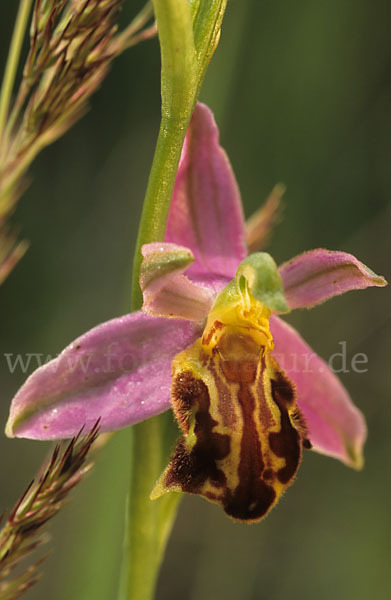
{"x": 336, "y": 427}
{"x": 119, "y": 371}
{"x": 317, "y": 275}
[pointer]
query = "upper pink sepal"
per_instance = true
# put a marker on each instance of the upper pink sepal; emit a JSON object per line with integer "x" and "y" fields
{"x": 120, "y": 372}
{"x": 336, "y": 427}
{"x": 206, "y": 212}
{"x": 166, "y": 292}
{"x": 317, "y": 275}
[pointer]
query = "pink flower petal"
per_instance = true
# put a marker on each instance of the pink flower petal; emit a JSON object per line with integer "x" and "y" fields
{"x": 206, "y": 213}
{"x": 119, "y": 371}
{"x": 166, "y": 292}
{"x": 317, "y": 275}
{"x": 336, "y": 427}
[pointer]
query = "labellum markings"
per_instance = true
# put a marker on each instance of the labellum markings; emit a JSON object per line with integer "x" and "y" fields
{"x": 243, "y": 433}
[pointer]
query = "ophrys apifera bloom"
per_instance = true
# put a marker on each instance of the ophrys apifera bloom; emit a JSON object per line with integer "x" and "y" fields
{"x": 210, "y": 343}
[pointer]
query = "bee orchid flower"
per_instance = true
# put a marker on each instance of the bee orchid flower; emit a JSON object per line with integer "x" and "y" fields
{"x": 209, "y": 343}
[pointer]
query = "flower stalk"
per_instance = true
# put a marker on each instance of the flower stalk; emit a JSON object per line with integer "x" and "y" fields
{"x": 188, "y": 35}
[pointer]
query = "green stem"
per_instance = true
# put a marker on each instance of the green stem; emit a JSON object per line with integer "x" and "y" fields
{"x": 158, "y": 196}
{"x": 148, "y": 523}
{"x": 13, "y": 60}
{"x": 178, "y": 89}
{"x": 188, "y": 35}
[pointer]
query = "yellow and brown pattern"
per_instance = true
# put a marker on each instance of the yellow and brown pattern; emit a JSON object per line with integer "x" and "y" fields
{"x": 243, "y": 433}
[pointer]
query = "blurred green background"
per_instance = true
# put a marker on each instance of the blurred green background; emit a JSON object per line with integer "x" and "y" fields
{"x": 302, "y": 94}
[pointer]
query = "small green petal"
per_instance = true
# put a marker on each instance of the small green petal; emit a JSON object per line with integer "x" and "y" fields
{"x": 161, "y": 260}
